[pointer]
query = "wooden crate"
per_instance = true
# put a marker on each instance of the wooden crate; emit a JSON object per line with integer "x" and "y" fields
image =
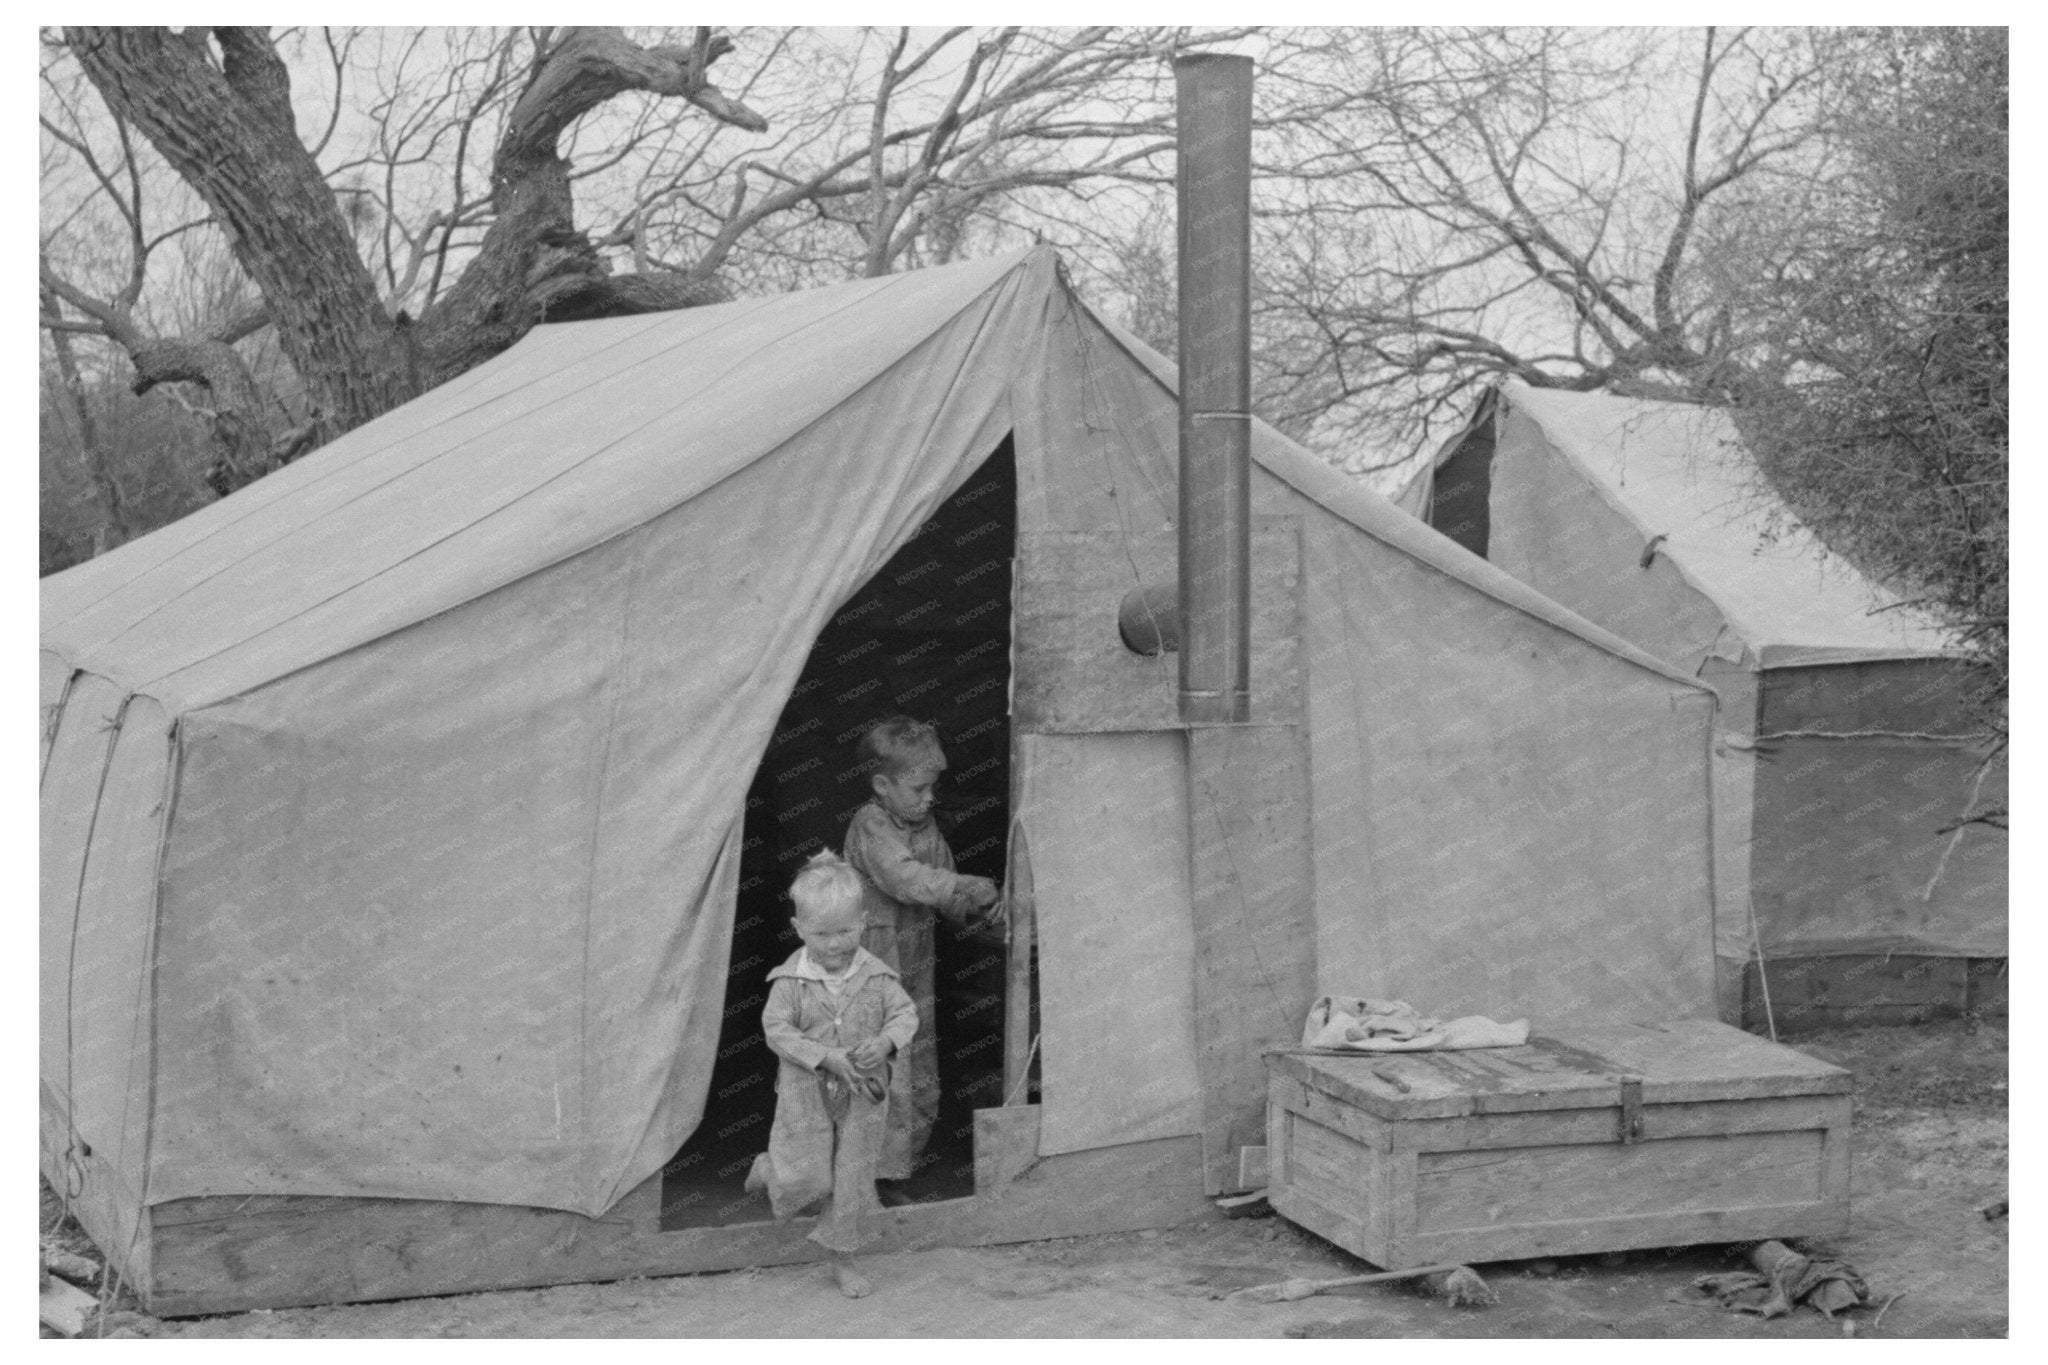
{"x": 1596, "y": 1139}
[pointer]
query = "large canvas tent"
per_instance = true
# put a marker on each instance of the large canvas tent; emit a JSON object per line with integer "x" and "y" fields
{"x": 1850, "y": 886}
{"x": 404, "y": 814}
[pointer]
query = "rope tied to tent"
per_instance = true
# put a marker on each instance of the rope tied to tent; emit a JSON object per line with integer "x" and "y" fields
{"x": 56, "y": 719}
{"x": 1023, "y": 1074}
{"x": 1775, "y": 735}
{"x": 76, "y": 1148}
{"x": 1961, "y": 827}
{"x": 1763, "y": 977}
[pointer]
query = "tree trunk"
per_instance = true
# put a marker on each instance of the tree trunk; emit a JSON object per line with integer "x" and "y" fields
{"x": 533, "y": 263}
{"x": 226, "y": 126}
{"x": 217, "y": 104}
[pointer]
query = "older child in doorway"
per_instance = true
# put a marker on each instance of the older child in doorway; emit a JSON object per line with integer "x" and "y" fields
{"x": 836, "y": 1016}
{"x": 907, "y": 869}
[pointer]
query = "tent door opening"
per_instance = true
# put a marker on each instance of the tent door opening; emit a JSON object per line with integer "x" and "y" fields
{"x": 927, "y": 636}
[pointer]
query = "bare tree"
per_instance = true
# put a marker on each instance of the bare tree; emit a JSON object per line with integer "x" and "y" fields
{"x": 1807, "y": 227}
{"x": 216, "y": 104}
{"x": 1883, "y": 413}
{"x": 904, "y": 150}
{"x": 405, "y": 203}
{"x": 123, "y": 191}
{"x": 292, "y": 232}
{"x": 1526, "y": 202}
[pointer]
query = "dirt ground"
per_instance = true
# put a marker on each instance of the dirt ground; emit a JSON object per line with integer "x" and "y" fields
{"x": 1930, "y": 1152}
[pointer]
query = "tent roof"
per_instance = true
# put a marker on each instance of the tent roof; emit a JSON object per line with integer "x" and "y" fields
{"x": 1679, "y": 471}
{"x": 1378, "y": 516}
{"x": 577, "y": 434}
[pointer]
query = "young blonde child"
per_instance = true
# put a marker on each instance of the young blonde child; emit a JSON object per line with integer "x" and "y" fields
{"x": 836, "y": 1016}
{"x": 907, "y": 870}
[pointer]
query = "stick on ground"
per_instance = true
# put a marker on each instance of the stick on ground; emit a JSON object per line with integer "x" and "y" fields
{"x": 1460, "y": 1284}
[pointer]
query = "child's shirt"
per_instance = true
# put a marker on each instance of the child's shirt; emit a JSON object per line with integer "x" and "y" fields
{"x": 806, "y": 1017}
{"x": 904, "y": 865}
{"x": 810, "y": 969}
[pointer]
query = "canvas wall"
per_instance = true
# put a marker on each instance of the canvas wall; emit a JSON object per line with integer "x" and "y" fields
{"x": 480, "y": 953}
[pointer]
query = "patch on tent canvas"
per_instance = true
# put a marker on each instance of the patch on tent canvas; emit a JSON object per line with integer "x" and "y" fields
{"x": 1354, "y": 1023}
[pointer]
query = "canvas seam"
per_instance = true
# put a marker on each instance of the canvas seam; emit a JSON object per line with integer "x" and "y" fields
{"x": 615, "y": 697}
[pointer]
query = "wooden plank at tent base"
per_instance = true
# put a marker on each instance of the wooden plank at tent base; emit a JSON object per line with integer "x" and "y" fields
{"x": 1251, "y": 876}
{"x": 285, "y": 1250}
{"x": 1990, "y": 994}
{"x": 312, "y": 1251}
{"x": 1005, "y": 1145}
{"x": 1808, "y": 993}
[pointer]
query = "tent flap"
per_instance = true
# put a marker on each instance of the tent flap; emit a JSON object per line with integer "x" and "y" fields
{"x": 1107, "y": 817}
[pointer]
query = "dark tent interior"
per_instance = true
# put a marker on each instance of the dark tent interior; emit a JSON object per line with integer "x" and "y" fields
{"x": 927, "y": 636}
{"x": 1464, "y": 483}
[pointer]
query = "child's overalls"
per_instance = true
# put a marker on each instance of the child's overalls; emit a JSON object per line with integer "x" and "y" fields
{"x": 907, "y": 873}
{"x": 827, "y": 1136}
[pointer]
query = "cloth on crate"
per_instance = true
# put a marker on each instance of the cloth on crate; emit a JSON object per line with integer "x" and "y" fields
{"x": 826, "y": 1141}
{"x": 907, "y": 880}
{"x": 1358, "y": 1024}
